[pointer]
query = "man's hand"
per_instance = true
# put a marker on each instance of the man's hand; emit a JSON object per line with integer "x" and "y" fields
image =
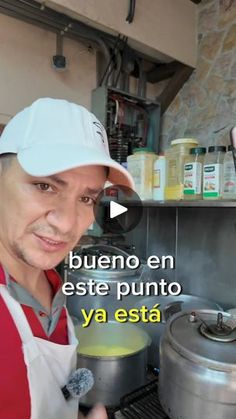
{"x": 98, "y": 412}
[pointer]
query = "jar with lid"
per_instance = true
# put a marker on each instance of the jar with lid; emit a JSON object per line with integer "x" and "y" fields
{"x": 140, "y": 166}
{"x": 213, "y": 172}
{"x": 193, "y": 173}
{"x": 229, "y": 175}
{"x": 175, "y": 157}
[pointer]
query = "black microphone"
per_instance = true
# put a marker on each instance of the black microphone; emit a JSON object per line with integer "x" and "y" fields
{"x": 79, "y": 383}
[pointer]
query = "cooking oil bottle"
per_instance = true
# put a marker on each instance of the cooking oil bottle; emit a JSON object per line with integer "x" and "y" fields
{"x": 175, "y": 158}
{"x": 140, "y": 166}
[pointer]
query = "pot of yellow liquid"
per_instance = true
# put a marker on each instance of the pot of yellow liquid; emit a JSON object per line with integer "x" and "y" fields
{"x": 116, "y": 353}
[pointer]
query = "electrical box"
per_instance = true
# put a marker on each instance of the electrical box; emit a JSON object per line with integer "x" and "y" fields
{"x": 130, "y": 121}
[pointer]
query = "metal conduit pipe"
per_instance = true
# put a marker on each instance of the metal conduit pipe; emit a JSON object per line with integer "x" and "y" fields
{"x": 118, "y": 68}
{"x": 47, "y": 19}
{"x": 43, "y": 25}
{"x": 51, "y": 20}
{"x": 111, "y": 73}
{"x": 21, "y": 9}
{"x": 142, "y": 80}
{"x": 30, "y": 18}
{"x": 118, "y": 57}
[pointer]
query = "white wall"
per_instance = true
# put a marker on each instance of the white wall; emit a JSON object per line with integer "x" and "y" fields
{"x": 166, "y": 27}
{"x": 26, "y": 72}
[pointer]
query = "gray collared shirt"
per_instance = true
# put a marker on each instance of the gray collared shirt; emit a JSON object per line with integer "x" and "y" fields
{"x": 48, "y": 320}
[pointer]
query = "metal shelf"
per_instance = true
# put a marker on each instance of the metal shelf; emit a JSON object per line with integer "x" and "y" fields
{"x": 203, "y": 203}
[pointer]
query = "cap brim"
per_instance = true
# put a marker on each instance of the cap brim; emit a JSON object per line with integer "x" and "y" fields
{"x": 39, "y": 160}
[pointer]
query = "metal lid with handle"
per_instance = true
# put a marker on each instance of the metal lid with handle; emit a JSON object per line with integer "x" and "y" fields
{"x": 219, "y": 331}
{"x": 205, "y": 336}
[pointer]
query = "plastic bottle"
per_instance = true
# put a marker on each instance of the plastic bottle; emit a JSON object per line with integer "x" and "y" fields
{"x": 229, "y": 175}
{"x": 175, "y": 157}
{"x": 193, "y": 173}
{"x": 213, "y": 172}
{"x": 140, "y": 166}
{"x": 159, "y": 178}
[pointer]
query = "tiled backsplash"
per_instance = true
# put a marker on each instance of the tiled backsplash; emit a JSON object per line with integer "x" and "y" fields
{"x": 203, "y": 242}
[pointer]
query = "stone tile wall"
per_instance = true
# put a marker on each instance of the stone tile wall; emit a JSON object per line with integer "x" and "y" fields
{"x": 205, "y": 107}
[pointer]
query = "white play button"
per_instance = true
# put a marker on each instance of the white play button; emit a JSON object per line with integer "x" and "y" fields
{"x": 117, "y": 216}
{"x": 116, "y": 209}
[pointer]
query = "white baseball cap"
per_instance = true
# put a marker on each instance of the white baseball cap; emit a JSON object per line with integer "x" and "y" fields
{"x": 53, "y": 135}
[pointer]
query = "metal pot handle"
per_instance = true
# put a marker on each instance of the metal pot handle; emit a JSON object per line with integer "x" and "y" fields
{"x": 171, "y": 309}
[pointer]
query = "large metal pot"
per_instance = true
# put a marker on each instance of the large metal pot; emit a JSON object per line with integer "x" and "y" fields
{"x": 198, "y": 366}
{"x": 110, "y": 276}
{"x": 169, "y": 305}
{"x": 117, "y": 355}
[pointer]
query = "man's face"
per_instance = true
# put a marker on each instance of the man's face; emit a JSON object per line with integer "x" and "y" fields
{"x": 42, "y": 218}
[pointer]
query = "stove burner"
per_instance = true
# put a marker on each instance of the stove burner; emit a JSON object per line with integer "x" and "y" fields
{"x": 142, "y": 403}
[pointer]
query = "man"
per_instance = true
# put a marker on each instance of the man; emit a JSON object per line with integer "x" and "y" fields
{"x": 54, "y": 161}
